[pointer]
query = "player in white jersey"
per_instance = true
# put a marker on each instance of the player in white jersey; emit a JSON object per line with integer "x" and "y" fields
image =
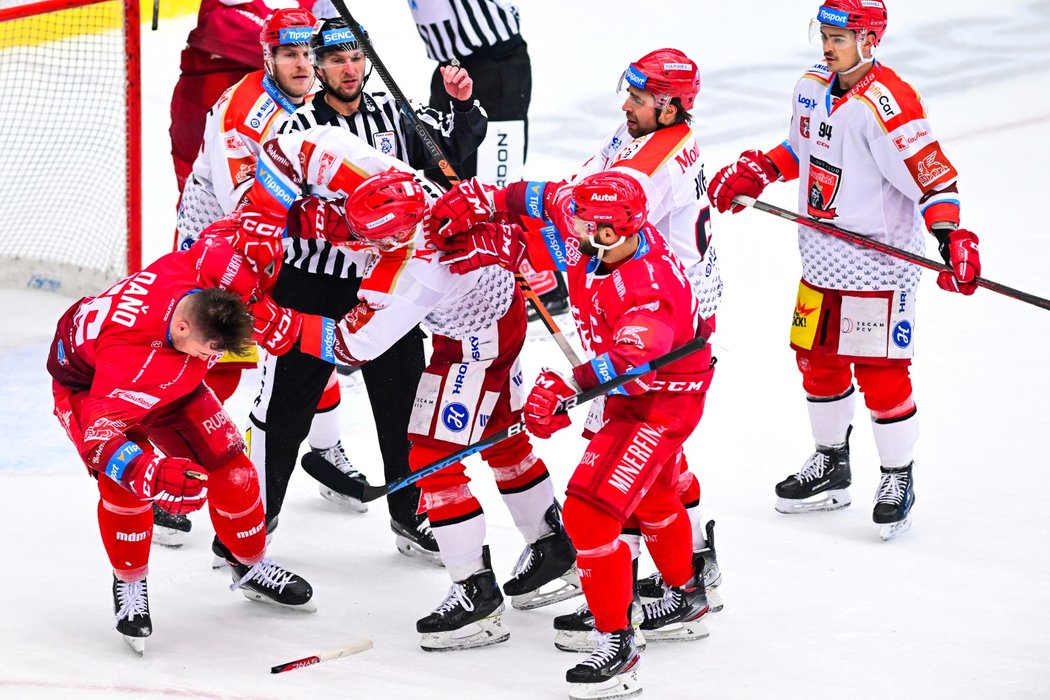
{"x": 868, "y": 161}
{"x": 471, "y": 388}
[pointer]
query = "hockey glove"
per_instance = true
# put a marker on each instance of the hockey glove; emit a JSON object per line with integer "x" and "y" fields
{"x": 259, "y": 238}
{"x": 959, "y": 249}
{"x": 461, "y": 208}
{"x": 323, "y": 219}
{"x": 749, "y": 175}
{"x": 276, "y": 328}
{"x": 494, "y": 243}
{"x": 165, "y": 481}
{"x": 548, "y": 392}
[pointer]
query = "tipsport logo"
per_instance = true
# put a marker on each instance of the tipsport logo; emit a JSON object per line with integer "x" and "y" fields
{"x": 455, "y": 417}
{"x": 635, "y": 78}
{"x": 837, "y": 18}
{"x": 294, "y": 35}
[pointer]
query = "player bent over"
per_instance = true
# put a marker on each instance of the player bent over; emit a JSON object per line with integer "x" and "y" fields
{"x": 471, "y": 388}
{"x": 632, "y": 301}
{"x": 867, "y": 161}
{"x": 128, "y": 367}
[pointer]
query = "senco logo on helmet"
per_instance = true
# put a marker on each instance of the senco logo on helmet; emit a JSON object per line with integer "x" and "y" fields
{"x": 380, "y": 221}
{"x": 294, "y": 35}
{"x": 337, "y": 36}
{"x": 837, "y": 18}
{"x": 678, "y": 66}
{"x": 636, "y": 78}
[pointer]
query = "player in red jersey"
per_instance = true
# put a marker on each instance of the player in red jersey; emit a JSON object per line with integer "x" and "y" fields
{"x": 128, "y": 368}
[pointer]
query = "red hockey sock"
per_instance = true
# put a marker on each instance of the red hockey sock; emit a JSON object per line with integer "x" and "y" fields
{"x": 237, "y": 510}
{"x": 670, "y": 542}
{"x": 604, "y": 563}
{"x": 444, "y": 496}
{"x": 126, "y": 526}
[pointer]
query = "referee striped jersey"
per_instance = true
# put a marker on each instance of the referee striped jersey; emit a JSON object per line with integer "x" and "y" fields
{"x": 461, "y": 28}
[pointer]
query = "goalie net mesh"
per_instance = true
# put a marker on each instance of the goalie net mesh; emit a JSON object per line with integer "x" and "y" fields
{"x": 70, "y": 152}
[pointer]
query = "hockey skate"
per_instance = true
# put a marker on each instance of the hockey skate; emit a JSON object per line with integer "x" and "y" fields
{"x": 268, "y": 582}
{"x": 893, "y": 502}
{"x": 575, "y": 631}
{"x": 679, "y": 615}
{"x": 471, "y": 615}
{"x": 131, "y": 607}
{"x": 611, "y": 671}
{"x": 337, "y": 458}
{"x": 170, "y": 530}
{"x": 415, "y": 539}
{"x": 822, "y": 484}
{"x": 552, "y": 558}
{"x": 652, "y": 587}
{"x": 222, "y": 556}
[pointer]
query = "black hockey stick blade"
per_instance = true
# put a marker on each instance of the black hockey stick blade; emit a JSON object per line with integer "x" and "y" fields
{"x": 328, "y": 474}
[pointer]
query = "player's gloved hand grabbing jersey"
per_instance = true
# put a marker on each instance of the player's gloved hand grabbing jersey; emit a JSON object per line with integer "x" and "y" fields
{"x": 466, "y": 205}
{"x": 959, "y": 249}
{"x": 748, "y": 176}
{"x": 165, "y": 481}
{"x": 259, "y": 238}
{"x": 548, "y": 392}
{"x": 276, "y": 328}
{"x": 488, "y": 243}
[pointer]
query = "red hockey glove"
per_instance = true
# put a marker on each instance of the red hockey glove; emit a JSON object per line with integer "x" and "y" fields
{"x": 751, "y": 174}
{"x": 494, "y": 243}
{"x": 276, "y": 328}
{"x": 259, "y": 238}
{"x": 464, "y": 206}
{"x": 959, "y": 249}
{"x": 549, "y": 390}
{"x": 164, "y": 480}
{"x": 316, "y": 217}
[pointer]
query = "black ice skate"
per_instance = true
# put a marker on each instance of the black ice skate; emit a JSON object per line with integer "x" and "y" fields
{"x": 416, "y": 539}
{"x": 223, "y": 556}
{"x": 611, "y": 671}
{"x": 470, "y": 616}
{"x": 131, "y": 607}
{"x": 550, "y": 558}
{"x": 679, "y": 615}
{"x": 574, "y": 632}
{"x": 269, "y": 582}
{"x": 652, "y": 587}
{"x": 821, "y": 484}
{"x": 338, "y": 459}
{"x": 893, "y": 502}
{"x": 170, "y": 530}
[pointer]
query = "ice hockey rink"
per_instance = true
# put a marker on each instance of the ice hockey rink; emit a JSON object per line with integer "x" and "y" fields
{"x": 816, "y": 606}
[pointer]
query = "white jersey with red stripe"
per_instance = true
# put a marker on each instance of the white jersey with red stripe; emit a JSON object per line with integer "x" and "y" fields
{"x": 868, "y": 161}
{"x": 399, "y": 288}
{"x": 668, "y": 165}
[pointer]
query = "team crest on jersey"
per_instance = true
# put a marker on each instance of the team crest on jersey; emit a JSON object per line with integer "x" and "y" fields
{"x": 384, "y": 142}
{"x": 803, "y": 127}
{"x": 824, "y": 181}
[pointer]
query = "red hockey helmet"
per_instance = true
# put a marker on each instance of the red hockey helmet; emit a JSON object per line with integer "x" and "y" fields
{"x": 862, "y": 16}
{"x": 612, "y": 198}
{"x": 284, "y": 28}
{"x": 666, "y": 73}
{"x": 386, "y": 208}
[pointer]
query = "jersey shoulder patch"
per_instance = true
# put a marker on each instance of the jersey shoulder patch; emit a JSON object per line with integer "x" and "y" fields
{"x": 894, "y": 102}
{"x": 818, "y": 72}
{"x": 648, "y": 153}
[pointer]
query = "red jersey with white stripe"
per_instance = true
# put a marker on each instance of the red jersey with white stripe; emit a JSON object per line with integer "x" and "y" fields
{"x": 869, "y": 162}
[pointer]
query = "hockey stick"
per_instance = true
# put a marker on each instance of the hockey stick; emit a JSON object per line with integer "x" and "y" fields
{"x": 349, "y": 649}
{"x": 885, "y": 248}
{"x": 329, "y": 475}
{"x": 446, "y": 168}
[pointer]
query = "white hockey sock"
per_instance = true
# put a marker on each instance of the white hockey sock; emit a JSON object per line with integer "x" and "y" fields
{"x": 895, "y": 439}
{"x": 461, "y": 546}
{"x": 697, "y": 522}
{"x": 255, "y": 439}
{"x": 634, "y": 542}
{"x": 324, "y": 430}
{"x": 829, "y": 418}
{"x": 528, "y": 507}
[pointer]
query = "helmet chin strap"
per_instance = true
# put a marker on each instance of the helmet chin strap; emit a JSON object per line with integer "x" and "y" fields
{"x": 602, "y": 249}
{"x": 861, "y": 62}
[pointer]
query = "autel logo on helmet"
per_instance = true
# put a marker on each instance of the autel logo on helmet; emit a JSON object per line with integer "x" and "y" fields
{"x": 603, "y": 197}
{"x": 826, "y": 15}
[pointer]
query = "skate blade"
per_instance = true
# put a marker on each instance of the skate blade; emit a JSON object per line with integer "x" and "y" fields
{"x": 714, "y": 599}
{"x": 562, "y": 588}
{"x": 827, "y": 501}
{"x": 137, "y": 644}
{"x": 411, "y": 549}
{"x": 890, "y": 531}
{"x": 483, "y": 633}
{"x": 307, "y": 607}
{"x": 169, "y": 537}
{"x": 218, "y": 562}
{"x": 625, "y": 685}
{"x": 580, "y": 642}
{"x": 692, "y": 631}
{"x": 347, "y": 503}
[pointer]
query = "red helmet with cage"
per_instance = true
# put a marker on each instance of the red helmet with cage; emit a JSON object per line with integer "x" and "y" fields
{"x": 666, "y": 73}
{"x": 611, "y": 198}
{"x": 285, "y": 28}
{"x": 862, "y": 16}
{"x": 386, "y": 208}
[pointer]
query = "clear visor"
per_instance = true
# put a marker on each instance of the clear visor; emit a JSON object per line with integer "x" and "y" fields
{"x": 394, "y": 241}
{"x": 583, "y": 229}
{"x": 638, "y": 97}
{"x": 290, "y": 54}
{"x": 821, "y": 35}
{"x": 339, "y": 59}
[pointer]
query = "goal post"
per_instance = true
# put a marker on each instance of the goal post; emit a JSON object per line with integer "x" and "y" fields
{"x": 70, "y": 144}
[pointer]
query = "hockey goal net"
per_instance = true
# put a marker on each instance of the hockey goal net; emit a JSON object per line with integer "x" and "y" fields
{"x": 70, "y": 144}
